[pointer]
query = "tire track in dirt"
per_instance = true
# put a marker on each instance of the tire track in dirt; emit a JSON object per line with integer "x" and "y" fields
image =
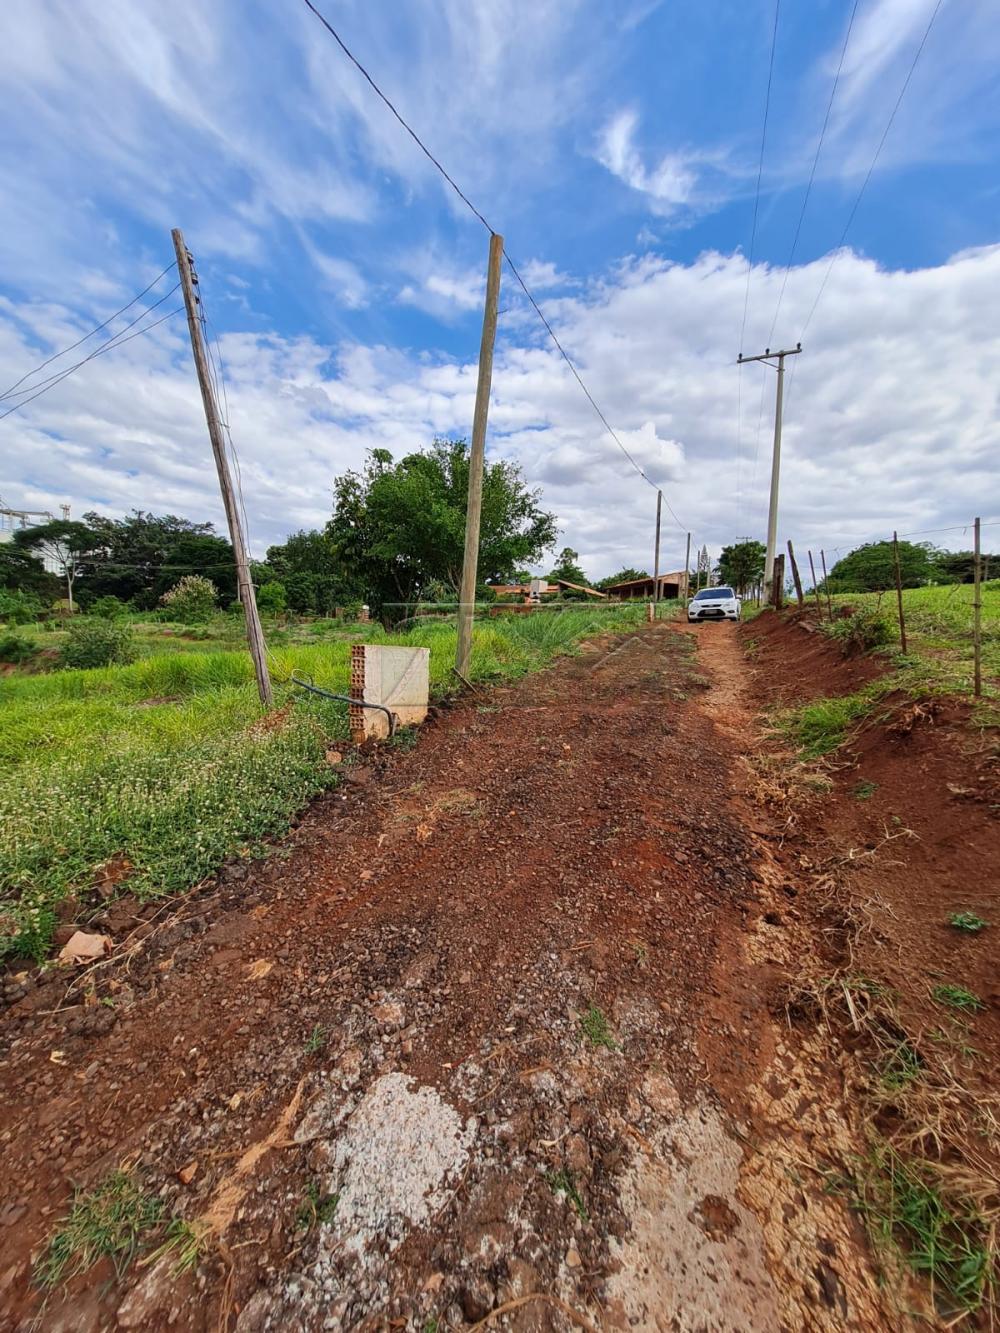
{"x": 567, "y": 856}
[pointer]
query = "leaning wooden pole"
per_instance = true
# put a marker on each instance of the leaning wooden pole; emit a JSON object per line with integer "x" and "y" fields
{"x": 477, "y": 457}
{"x": 656, "y": 553}
{"x": 899, "y": 592}
{"x": 812, "y": 570}
{"x": 255, "y": 635}
{"x": 795, "y": 575}
{"x": 687, "y": 572}
{"x": 826, "y": 585}
{"x": 977, "y": 603}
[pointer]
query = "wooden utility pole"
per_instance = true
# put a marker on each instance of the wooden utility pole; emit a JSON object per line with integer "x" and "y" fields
{"x": 826, "y": 585}
{"x": 812, "y": 570}
{"x": 778, "y": 583}
{"x": 767, "y": 356}
{"x": 687, "y": 572}
{"x": 656, "y": 555}
{"x": 795, "y": 575}
{"x": 470, "y": 562}
{"x": 899, "y": 592}
{"x": 255, "y": 635}
{"x": 977, "y": 602}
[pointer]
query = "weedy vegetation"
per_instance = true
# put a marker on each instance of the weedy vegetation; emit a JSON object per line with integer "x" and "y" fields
{"x": 957, "y": 997}
{"x": 316, "y": 1208}
{"x": 112, "y": 1221}
{"x": 594, "y": 1027}
{"x": 968, "y": 922}
{"x": 563, "y": 1182}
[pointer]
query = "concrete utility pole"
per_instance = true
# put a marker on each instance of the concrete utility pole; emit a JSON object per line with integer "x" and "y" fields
{"x": 767, "y": 356}
{"x": 470, "y": 562}
{"x": 656, "y": 556}
{"x": 255, "y": 635}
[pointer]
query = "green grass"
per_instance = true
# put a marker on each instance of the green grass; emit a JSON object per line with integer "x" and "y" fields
{"x": 957, "y": 997}
{"x": 943, "y": 1239}
{"x": 864, "y": 791}
{"x": 316, "y": 1041}
{"x": 161, "y": 761}
{"x": 110, "y": 1222}
{"x": 967, "y": 922}
{"x": 594, "y": 1027}
{"x": 820, "y": 727}
{"x": 564, "y": 1182}
{"x": 316, "y": 1208}
{"x": 901, "y": 1066}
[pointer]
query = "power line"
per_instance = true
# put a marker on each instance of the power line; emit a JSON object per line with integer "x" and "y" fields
{"x": 475, "y": 211}
{"x": 864, "y": 185}
{"x": 812, "y": 173}
{"x": 746, "y": 294}
{"x": 111, "y": 345}
{"x": 56, "y": 355}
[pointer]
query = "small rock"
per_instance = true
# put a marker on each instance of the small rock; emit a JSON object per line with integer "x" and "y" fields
{"x": 476, "y": 1299}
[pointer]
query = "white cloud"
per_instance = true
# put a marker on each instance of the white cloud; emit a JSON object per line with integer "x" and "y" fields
{"x": 891, "y": 415}
{"x": 669, "y": 184}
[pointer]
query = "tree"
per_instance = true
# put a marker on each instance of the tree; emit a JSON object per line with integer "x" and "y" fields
{"x": 21, "y": 571}
{"x": 742, "y": 565}
{"x": 567, "y": 568}
{"x": 142, "y": 556}
{"x": 399, "y": 527}
{"x": 311, "y": 572}
{"x": 64, "y": 543}
{"x": 623, "y": 576}
{"x": 272, "y": 599}
{"x": 959, "y": 566}
{"x": 871, "y": 567}
{"x": 191, "y": 600}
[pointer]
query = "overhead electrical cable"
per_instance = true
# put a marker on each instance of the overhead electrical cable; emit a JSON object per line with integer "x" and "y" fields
{"x": 750, "y": 255}
{"x": 72, "y": 347}
{"x": 871, "y": 169}
{"x": 812, "y": 173}
{"x": 111, "y": 345}
{"x": 475, "y": 211}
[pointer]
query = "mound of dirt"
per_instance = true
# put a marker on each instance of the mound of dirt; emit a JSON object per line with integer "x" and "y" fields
{"x": 795, "y": 662}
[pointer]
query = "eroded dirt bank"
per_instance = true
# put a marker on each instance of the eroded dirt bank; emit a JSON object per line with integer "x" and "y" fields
{"x": 497, "y": 1036}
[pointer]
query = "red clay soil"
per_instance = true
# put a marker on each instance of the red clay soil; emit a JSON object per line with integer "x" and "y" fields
{"x": 496, "y": 1035}
{"x": 808, "y": 665}
{"x": 571, "y": 846}
{"x": 908, "y": 836}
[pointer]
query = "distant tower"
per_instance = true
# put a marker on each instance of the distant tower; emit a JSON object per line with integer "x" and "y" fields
{"x": 65, "y": 512}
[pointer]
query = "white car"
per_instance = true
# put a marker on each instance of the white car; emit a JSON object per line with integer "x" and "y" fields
{"x": 714, "y": 604}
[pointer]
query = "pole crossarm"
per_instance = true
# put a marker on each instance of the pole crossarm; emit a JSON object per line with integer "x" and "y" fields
{"x": 768, "y": 356}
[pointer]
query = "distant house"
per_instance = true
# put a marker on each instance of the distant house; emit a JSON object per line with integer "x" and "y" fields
{"x": 671, "y": 585}
{"x": 544, "y": 589}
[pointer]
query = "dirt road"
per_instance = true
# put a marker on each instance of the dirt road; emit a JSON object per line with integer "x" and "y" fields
{"x": 495, "y": 1036}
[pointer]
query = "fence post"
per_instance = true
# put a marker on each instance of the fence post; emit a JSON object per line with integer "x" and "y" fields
{"x": 976, "y": 613}
{"x": 812, "y": 570}
{"x": 795, "y": 575}
{"x": 899, "y": 592}
{"x": 826, "y": 584}
{"x": 778, "y": 583}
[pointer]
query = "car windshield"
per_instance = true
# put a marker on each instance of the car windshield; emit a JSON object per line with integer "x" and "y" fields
{"x": 713, "y": 594}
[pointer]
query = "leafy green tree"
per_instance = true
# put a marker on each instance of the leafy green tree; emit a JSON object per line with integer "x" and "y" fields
{"x": 399, "y": 527}
{"x": 18, "y": 607}
{"x": 871, "y": 568}
{"x": 141, "y": 556}
{"x": 312, "y": 573}
{"x": 21, "y": 571}
{"x": 623, "y": 576}
{"x": 741, "y": 565}
{"x": 567, "y": 568}
{"x": 959, "y": 566}
{"x": 191, "y": 600}
{"x": 272, "y": 599}
{"x": 63, "y": 542}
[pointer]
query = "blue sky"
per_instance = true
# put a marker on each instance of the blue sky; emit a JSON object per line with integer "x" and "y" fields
{"x": 616, "y": 147}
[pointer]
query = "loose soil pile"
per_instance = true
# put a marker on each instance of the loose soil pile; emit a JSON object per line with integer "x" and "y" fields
{"x": 498, "y": 1035}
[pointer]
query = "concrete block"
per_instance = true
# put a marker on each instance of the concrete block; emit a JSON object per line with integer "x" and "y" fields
{"x": 397, "y": 678}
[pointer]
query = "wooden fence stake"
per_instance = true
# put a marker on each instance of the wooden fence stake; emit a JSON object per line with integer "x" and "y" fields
{"x": 795, "y": 575}
{"x": 899, "y": 592}
{"x": 976, "y": 613}
{"x": 812, "y": 570}
{"x": 826, "y": 585}
{"x": 778, "y": 583}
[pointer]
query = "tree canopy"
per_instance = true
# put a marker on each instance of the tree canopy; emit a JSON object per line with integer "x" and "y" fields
{"x": 871, "y": 568}
{"x": 566, "y": 567}
{"x": 140, "y": 557}
{"x": 742, "y": 564}
{"x": 398, "y": 529}
{"x": 627, "y": 575}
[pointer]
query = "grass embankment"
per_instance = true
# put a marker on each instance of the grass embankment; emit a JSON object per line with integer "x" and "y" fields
{"x": 166, "y": 762}
{"x": 938, "y": 661}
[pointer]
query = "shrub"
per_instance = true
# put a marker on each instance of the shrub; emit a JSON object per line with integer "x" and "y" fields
{"x": 191, "y": 600}
{"x": 18, "y": 607}
{"x": 15, "y": 648}
{"x": 97, "y": 643}
{"x": 272, "y": 599}
{"x": 861, "y": 631}
{"x": 108, "y": 608}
